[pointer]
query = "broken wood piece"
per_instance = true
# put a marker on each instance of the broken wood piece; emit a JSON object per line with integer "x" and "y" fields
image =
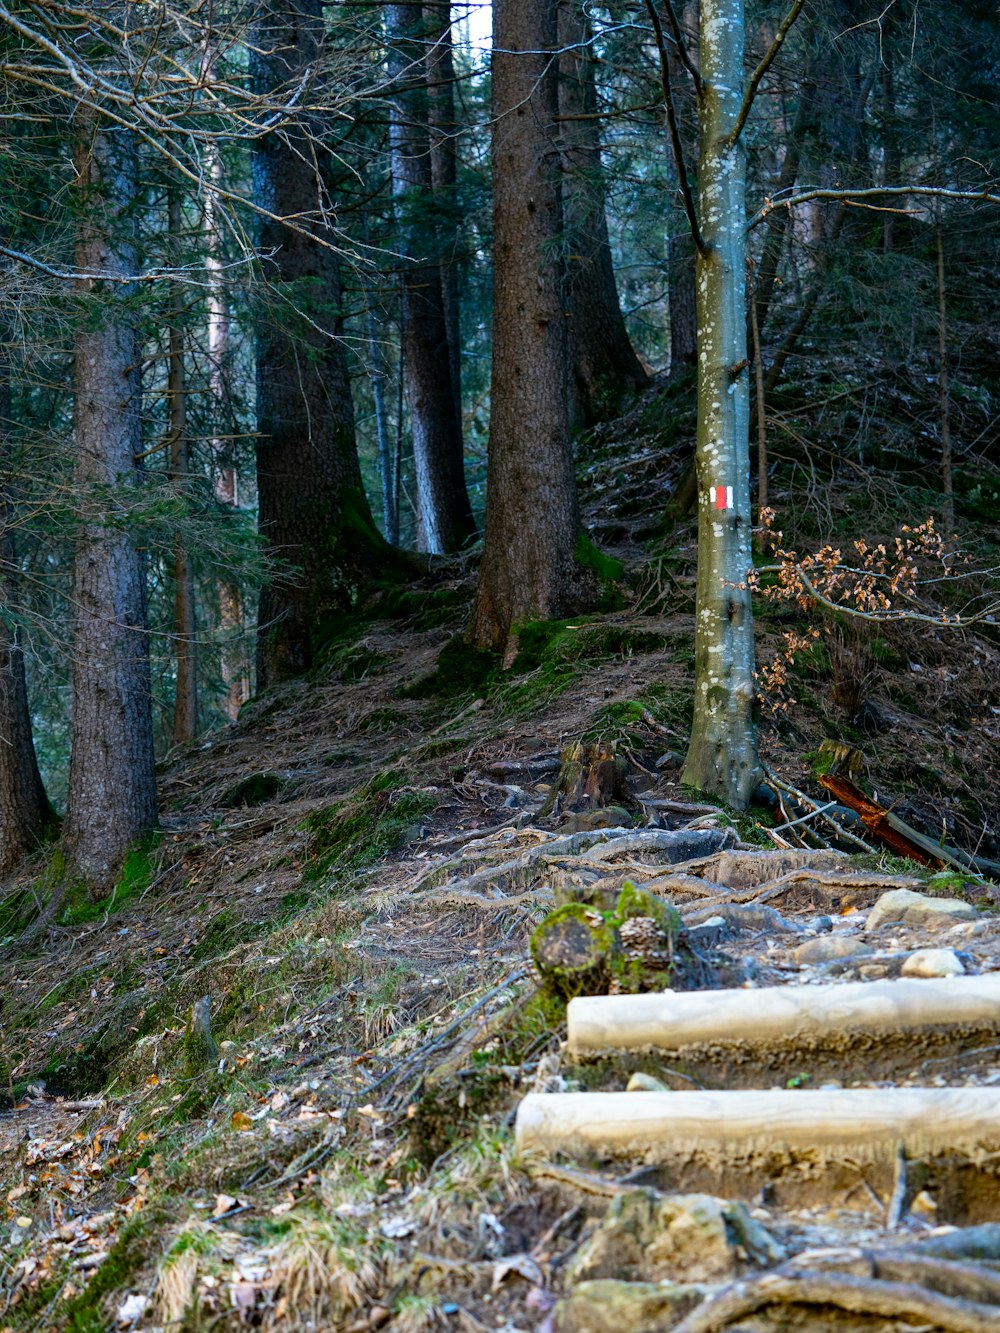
{"x": 732, "y": 1128}
{"x": 899, "y": 835}
{"x": 669, "y": 1020}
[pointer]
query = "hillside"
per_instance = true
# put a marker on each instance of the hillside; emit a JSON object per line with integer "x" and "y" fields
{"x": 351, "y": 873}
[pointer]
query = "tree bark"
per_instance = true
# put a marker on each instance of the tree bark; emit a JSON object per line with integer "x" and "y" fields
{"x": 444, "y": 128}
{"x": 25, "y": 813}
{"x": 445, "y": 514}
{"x": 185, "y": 723}
{"x": 944, "y": 392}
{"x": 683, "y": 312}
{"x": 604, "y": 366}
{"x": 722, "y": 758}
{"x": 233, "y": 665}
{"x": 314, "y": 515}
{"x": 532, "y": 523}
{"x": 112, "y": 782}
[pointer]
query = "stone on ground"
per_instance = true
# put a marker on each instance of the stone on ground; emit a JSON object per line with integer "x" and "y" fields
{"x": 915, "y": 909}
{"x": 933, "y": 963}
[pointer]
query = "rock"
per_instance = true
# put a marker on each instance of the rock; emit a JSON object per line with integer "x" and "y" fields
{"x": 658, "y": 1238}
{"x": 645, "y": 1083}
{"x": 916, "y": 909}
{"x": 828, "y": 948}
{"x": 933, "y": 963}
{"x": 820, "y": 925}
{"x": 625, "y": 1307}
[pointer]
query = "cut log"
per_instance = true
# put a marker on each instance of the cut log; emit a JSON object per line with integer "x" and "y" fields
{"x": 670, "y": 1020}
{"x": 862, "y": 1124}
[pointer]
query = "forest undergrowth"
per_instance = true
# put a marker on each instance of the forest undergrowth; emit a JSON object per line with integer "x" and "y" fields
{"x": 351, "y": 873}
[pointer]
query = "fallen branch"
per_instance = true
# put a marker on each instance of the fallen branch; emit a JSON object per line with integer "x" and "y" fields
{"x": 899, "y": 835}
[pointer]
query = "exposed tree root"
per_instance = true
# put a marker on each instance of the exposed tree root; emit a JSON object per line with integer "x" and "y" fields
{"x": 843, "y": 1291}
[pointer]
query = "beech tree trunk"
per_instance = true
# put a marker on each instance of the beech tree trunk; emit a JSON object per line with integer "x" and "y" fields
{"x": 528, "y": 571}
{"x": 443, "y": 508}
{"x": 24, "y": 808}
{"x": 112, "y": 782}
{"x": 604, "y": 366}
{"x": 314, "y": 515}
{"x": 722, "y": 758}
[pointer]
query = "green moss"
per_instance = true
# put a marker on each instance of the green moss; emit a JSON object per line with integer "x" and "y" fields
{"x": 253, "y": 790}
{"x": 588, "y": 556}
{"x": 353, "y": 834}
{"x": 460, "y": 669}
{"x": 634, "y": 901}
{"x": 85, "y": 1312}
{"x": 573, "y": 950}
{"x": 222, "y": 931}
{"x": 134, "y": 878}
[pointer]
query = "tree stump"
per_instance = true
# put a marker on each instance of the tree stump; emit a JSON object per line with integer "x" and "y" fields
{"x": 573, "y": 949}
{"x": 592, "y": 777}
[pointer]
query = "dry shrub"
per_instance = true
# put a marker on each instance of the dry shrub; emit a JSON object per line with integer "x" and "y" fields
{"x": 322, "y": 1273}
{"x": 852, "y": 664}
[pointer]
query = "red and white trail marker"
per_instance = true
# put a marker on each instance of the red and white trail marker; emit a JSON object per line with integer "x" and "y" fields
{"x": 721, "y": 497}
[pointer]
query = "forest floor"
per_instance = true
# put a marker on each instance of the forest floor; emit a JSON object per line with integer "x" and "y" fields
{"x": 351, "y": 874}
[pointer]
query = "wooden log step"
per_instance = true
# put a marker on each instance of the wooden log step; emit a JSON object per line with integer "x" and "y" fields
{"x": 742, "y": 1127}
{"x": 669, "y": 1020}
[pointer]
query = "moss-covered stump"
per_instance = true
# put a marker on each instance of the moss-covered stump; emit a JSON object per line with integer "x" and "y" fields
{"x": 640, "y": 945}
{"x": 574, "y": 949}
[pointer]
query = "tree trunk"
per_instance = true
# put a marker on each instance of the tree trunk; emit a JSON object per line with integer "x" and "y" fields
{"x": 528, "y": 571}
{"x": 233, "y": 666}
{"x": 683, "y": 312}
{"x": 944, "y": 393}
{"x": 722, "y": 758}
{"x": 112, "y": 780}
{"x": 25, "y": 813}
{"x": 446, "y": 522}
{"x": 314, "y": 515}
{"x": 683, "y": 304}
{"x": 444, "y": 128}
{"x": 604, "y": 366}
{"x": 185, "y": 723}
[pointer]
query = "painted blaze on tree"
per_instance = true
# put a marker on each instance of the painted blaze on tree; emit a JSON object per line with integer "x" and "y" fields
{"x": 722, "y": 757}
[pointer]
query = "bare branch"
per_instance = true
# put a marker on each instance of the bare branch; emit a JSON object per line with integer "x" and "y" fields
{"x": 875, "y": 192}
{"x": 675, "y": 136}
{"x": 762, "y": 68}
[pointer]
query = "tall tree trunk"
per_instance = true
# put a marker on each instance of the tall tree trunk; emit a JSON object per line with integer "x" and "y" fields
{"x": 604, "y": 366}
{"x": 722, "y": 758}
{"x": 683, "y": 314}
{"x": 446, "y": 521}
{"x": 25, "y": 813}
{"x": 444, "y": 127}
{"x": 944, "y": 392}
{"x": 112, "y": 780}
{"x": 233, "y": 666}
{"x": 532, "y": 523}
{"x": 185, "y": 723}
{"x": 683, "y": 304}
{"x": 313, "y": 512}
